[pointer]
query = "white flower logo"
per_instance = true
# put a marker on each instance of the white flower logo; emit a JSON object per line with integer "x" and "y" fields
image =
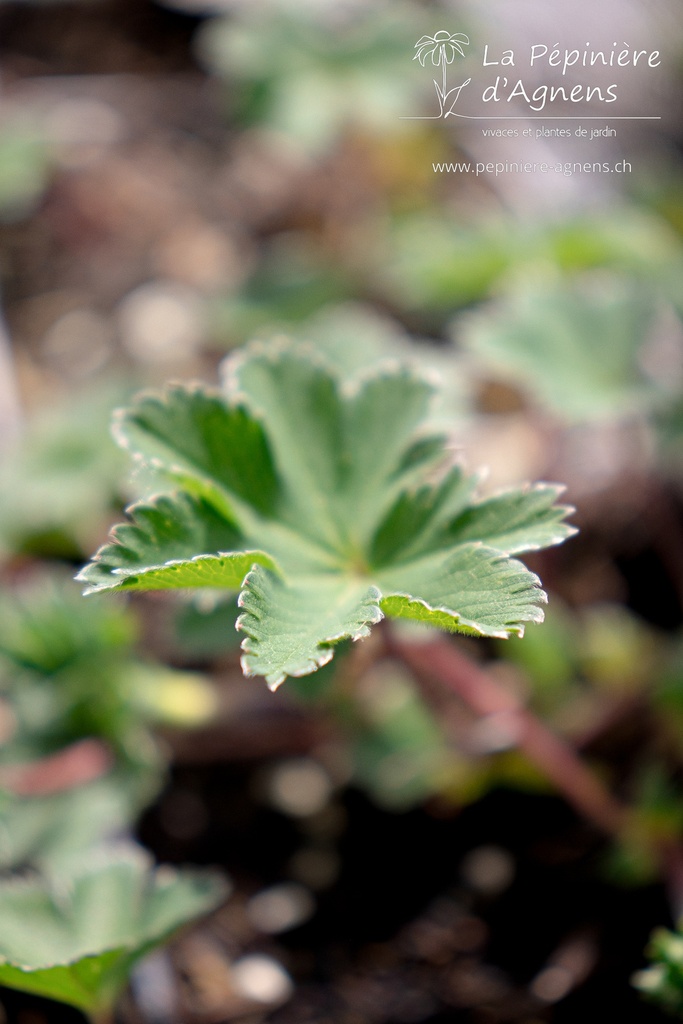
{"x": 442, "y": 48}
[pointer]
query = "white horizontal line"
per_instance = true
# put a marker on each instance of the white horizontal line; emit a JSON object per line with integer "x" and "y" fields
{"x": 531, "y": 117}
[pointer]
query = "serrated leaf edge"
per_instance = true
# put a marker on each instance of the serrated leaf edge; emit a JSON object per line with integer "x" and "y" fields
{"x": 26, "y": 969}
{"x": 348, "y": 386}
{"x": 564, "y": 530}
{"x": 516, "y": 630}
{"x": 117, "y": 429}
{"x": 269, "y": 563}
{"x": 112, "y": 540}
{"x": 230, "y": 503}
{"x": 459, "y": 620}
{"x": 326, "y": 653}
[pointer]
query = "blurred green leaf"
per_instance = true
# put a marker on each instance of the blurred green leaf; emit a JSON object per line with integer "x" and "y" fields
{"x": 399, "y": 752}
{"x": 311, "y": 72}
{"x": 662, "y": 982}
{"x": 576, "y": 348}
{"x": 70, "y": 672}
{"x": 74, "y": 936}
{"x": 549, "y": 655}
{"x": 45, "y": 830}
{"x": 44, "y": 627}
{"x": 24, "y": 170}
{"x": 434, "y": 263}
{"x": 292, "y": 281}
{"x": 618, "y": 652}
{"x": 58, "y": 486}
{"x": 355, "y": 337}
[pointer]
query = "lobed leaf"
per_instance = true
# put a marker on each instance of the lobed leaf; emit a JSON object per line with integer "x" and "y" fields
{"x": 74, "y": 936}
{"x": 336, "y": 452}
{"x": 360, "y": 514}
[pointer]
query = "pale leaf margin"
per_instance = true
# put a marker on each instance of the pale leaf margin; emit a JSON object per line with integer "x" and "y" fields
{"x": 225, "y": 570}
{"x": 493, "y": 595}
{"x": 279, "y": 644}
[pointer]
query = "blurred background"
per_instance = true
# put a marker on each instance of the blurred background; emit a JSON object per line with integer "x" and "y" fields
{"x": 179, "y": 177}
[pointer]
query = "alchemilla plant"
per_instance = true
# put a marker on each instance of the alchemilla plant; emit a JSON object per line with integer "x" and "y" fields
{"x": 77, "y": 934}
{"x": 328, "y": 504}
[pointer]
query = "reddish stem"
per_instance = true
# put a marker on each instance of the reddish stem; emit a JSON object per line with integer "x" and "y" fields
{"x": 442, "y": 662}
{"x": 556, "y": 759}
{"x": 75, "y": 765}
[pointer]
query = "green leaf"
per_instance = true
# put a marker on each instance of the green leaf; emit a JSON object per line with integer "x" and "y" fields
{"x": 59, "y": 484}
{"x": 523, "y": 520}
{"x": 473, "y": 590}
{"x": 366, "y": 516}
{"x": 74, "y": 936}
{"x": 310, "y": 75}
{"x": 43, "y": 830}
{"x": 417, "y": 518}
{"x": 158, "y": 549}
{"x": 355, "y": 338}
{"x": 291, "y": 629}
{"x": 212, "y": 449}
{"x": 578, "y": 348}
{"x": 334, "y": 483}
{"x": 662, "y": 981}
{"x": 436, "y": 517}
{"x": 91, "y": 983}
{"x": 302, "y": 410}
{"x": 45, "y": 628}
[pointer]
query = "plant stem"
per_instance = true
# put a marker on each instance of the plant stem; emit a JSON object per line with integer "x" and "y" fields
{"x": 556, "y": 759}
{"x": 441, "y": 661}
